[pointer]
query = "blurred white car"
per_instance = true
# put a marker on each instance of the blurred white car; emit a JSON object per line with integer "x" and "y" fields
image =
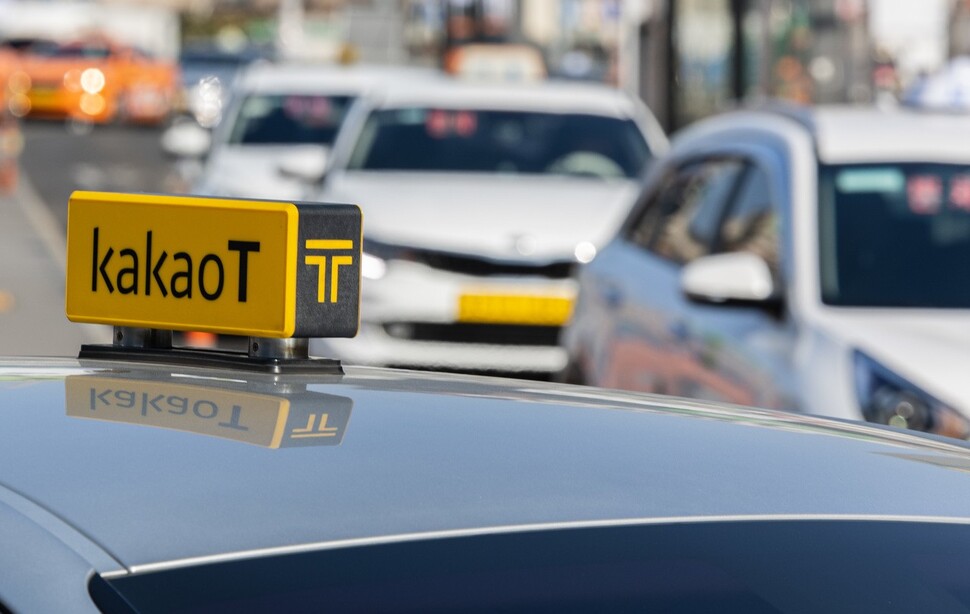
{"x": 811, "y": 260}
{"x": 481, "y": 199}
{"x": 280, "y": 124}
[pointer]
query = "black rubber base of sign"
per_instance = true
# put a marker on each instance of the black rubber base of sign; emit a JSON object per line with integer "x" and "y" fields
{"x": 215, "y": 359}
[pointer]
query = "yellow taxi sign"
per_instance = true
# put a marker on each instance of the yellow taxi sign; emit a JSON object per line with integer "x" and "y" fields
{"x": 245, "y": 267}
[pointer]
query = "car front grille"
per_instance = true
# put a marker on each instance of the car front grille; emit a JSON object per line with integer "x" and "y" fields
{"x": 492, "y": 334}
{"x": 482, "y": 267}
{"x": 46, "y": 84}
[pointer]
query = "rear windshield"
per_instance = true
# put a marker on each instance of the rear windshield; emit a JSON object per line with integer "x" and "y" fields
{"x": 289, "y": 119}
{"x": 751, "y": 567}
{"x": 485, "y": 141}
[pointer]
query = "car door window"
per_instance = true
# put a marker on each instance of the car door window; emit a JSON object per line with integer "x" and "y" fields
{"x": 640, "y": 229}
{"x": 751, "y": 224}
{"x": 682, "y": 221}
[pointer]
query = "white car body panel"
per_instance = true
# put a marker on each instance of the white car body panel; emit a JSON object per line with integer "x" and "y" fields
{"x": 930, "y": 348}
{"x": 437, "y": 210}
{"x": 251, "y": 171}
{"x": 851, "y": 134}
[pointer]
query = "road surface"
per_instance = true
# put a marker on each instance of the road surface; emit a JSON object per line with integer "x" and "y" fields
{"x": 55, "y": 162}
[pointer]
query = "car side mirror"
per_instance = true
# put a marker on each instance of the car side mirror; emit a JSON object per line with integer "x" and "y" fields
{"x": 306, "y": 165}
{"x": 732, "y": 278}
{"x": 186, "y": 139}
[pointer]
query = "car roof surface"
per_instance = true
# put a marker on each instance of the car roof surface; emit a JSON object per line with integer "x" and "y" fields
{"x": 549, "y": 96}
{"x": 290, "y": 77}
{"x": 844, "y": 134}
{"x": 848, "y": 134}
{"x": 422, "y": 453}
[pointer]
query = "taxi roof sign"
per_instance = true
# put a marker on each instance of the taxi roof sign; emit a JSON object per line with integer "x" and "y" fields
{"x": 246, "y": 267}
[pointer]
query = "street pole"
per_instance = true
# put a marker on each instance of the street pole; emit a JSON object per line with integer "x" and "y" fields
{"x": 739, "y": 50}
{"x": 767, "y": 50}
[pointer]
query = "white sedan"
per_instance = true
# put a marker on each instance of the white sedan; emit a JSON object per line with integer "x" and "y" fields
{"x": 481, "y": 200}
{"x": 278, "y": 129}
{"x": 805, "y": 259}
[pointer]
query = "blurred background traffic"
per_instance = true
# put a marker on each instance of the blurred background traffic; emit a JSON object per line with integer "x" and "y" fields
{"x": 522, "y": 163}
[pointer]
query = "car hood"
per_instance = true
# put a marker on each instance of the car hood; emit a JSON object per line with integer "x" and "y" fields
{"x": 251, "y": 171}
{"x": 930, "y": 348}
{"x": 498, "y": 216}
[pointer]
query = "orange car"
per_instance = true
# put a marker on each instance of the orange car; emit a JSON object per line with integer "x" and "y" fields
{"x": 93, "y": 80}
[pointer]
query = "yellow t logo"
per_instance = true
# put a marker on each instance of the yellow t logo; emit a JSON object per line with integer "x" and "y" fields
{"x": 335, "y": 263}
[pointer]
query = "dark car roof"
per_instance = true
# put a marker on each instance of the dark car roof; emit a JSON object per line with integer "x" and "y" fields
{"x": 151, "y": 464}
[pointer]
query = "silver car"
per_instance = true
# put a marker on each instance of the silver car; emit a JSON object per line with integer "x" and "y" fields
{"x": 277, "y": 128}
{"x": 803, "y": 259}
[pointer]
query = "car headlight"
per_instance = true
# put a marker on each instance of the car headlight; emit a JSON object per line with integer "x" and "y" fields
{"x": 19, "y": 82}
{"x": 584, "y": 252}
{"x": 72, "y": 80}
{"x": 92, "y": 81}
{"x": 372, "y": 267}
{"x": 885, "y": 397}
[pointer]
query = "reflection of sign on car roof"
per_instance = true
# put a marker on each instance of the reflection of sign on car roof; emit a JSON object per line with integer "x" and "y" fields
{"x": 263, "y": 416}
{"x": 259, "y": 268}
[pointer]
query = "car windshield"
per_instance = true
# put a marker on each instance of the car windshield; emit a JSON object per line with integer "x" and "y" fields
{"x": 895, "y": 235}
{"x": 468, "y": 140}
{"x": 75, "y": 50}
{"x": 196, "y": 63}
{"x": 281, "y": 119}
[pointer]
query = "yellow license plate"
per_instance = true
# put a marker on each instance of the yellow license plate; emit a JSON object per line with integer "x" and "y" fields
{"x": 531, "y": 309}
{"x": 44, "y": 98}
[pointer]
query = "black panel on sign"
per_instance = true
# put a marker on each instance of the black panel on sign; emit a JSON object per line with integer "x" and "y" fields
{"x": 328, "y": 270}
